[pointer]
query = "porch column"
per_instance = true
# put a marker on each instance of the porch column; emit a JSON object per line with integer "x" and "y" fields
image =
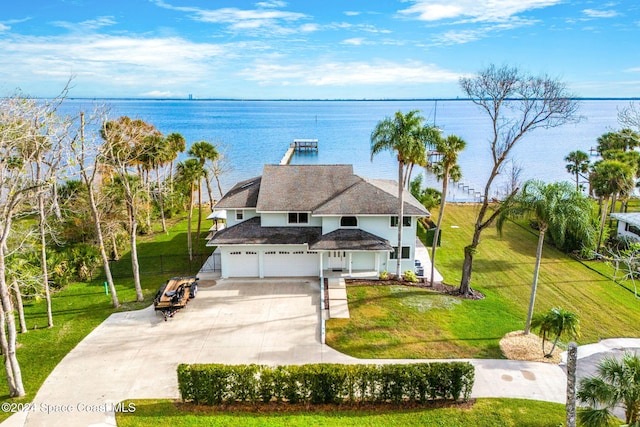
{"x": 321, "y": 269}
{"x": 377, "y": 257}
{"x": 350, "y": 262}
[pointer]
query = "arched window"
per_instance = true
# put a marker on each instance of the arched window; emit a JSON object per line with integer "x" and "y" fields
{"x": 348, "y": 221}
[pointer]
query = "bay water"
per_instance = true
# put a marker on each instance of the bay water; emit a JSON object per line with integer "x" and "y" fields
{"x": 254, "y": 133}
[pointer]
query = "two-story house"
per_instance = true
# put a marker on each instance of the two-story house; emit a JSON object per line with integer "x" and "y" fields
{"x": 305, "y": 220}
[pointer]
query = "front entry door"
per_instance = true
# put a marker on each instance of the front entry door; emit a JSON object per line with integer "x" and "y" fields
{"x": 337, "y": 260}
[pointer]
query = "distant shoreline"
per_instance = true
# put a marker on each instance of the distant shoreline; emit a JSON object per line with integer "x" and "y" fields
{"x": 317, "y": 100}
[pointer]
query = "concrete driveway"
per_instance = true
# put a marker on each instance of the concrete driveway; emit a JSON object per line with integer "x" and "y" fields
{"x": 135, "y": 354}
{"x": 274, "y": 322}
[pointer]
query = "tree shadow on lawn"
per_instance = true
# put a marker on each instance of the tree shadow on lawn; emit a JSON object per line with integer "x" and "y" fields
{"x": 481, "y": 265}
{"x": 459, "y": 349}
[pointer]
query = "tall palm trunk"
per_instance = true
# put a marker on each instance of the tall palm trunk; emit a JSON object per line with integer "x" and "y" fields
{"x": 210, "y": 193}
{"x": 161, "y": 202}
{"x": 534, "y": 285}
{"x": 436, "y": 234}
{"x": 189, "y": 244}
{"x": 400, "y": 215}
{"x": 199, "y": 217}
{"x": 603, "y": 218}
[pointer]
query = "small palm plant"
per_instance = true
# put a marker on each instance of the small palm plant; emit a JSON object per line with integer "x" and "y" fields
{"x": 556, "y": 323}
{"x": 617, "y": 383}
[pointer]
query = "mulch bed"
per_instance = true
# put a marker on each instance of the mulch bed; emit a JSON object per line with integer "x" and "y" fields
{"x": 442, "y": 288}
{"x": 285, "y": 407}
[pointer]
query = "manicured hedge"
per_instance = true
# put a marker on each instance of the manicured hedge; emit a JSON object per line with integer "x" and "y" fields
{"x": 325, "y": 383}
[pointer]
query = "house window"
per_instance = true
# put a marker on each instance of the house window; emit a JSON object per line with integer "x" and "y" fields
{"x": 270, "y": 253}
{"x": 633, "y": 229}
{"x": 235, "y": 253}
{"x": 298, "y": 252}
{"x": 239, "y": 215}
{"x": 406, "y": 221}
{"x": 283, "y": 253}
{"x": 251, "y": 253}
{"x": 348, "y": 221}
{"x": 406, "y": 252}
{"x": 298, "y": 217}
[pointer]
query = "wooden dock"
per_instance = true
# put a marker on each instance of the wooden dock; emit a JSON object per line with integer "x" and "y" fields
{"x": 305, "y": 144}
{"x": 299, "y": 145}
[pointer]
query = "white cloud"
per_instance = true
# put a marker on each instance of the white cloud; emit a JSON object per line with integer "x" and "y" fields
{"x": 273, "y": 3}
{"x": 4, "y": 27}
{"x": 476, "y": 10}
{"x": 469, "y": 35}
{"x": 351, "y": 13}
{"x": 358, "y": 41}
{"x": 348, "y": 73}
{"x": 592, "y": 13}
{"x": 105, "y": 62}
{"x": 161, "y": 94}
{"x": 89, "y": 25}
{"x": 264, "y": 18}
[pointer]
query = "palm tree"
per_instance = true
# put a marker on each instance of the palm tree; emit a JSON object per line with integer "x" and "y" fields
{"x": 446, "y": 168}
{"x": 404, "y": 135}
{"x": 617, "y": 383}
{"x": 190, "y": 172}
{"x": 155, "y": 154}
{"x": 556, "y": 207}
{"x": 556, "y": 322}
{"x": 175, "y": 144}
{"x": 608, "y": 177}
{"x": 204, "y": 151}
{"x": 578, "y": 165}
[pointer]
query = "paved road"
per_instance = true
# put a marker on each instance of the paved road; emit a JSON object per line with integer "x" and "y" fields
{"x": 135, "y": 354}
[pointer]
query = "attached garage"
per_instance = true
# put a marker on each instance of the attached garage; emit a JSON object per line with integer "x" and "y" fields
{"x": 240, "y": 264}
{"x": 290, "y": 263}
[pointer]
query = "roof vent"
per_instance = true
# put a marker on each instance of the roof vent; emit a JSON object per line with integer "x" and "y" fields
{"x": 248, "y": 184}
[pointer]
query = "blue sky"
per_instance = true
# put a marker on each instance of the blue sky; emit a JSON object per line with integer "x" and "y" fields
{"x": 312, "y": 49}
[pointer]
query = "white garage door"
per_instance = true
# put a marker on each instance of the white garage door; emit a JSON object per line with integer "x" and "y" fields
{"x": 290, "y": 263}
{"x": 242, "y": 264}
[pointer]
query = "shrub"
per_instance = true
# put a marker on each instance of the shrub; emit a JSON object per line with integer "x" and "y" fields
{"x": 410, "y": 276}
{"x": 325, "y": 383}
{"x": 384, "y": 275}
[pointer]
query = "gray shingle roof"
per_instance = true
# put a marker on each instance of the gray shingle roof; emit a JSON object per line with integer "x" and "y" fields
{"x": 319, "y": 189}
{"x": 350, "y": 240}
{"x": 301, "y": 188}
{"x": 243, "y": 195}
{"x": 251, "y": 232}
{"x": 371, "y": 197}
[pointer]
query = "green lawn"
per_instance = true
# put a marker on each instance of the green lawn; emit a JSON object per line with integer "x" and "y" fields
{"x": 80, "y": 307}
{"x": 485, "y": 412}
{"x": 403, "y": 322}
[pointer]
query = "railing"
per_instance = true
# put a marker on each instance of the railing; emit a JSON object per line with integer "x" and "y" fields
{"x": 162, "y": 264}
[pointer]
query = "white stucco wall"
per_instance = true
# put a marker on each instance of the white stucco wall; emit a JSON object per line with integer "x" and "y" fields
{"x": 281, "y": 220}
{"x": 246, "y": 213}
{"x": 378, "y": 225}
